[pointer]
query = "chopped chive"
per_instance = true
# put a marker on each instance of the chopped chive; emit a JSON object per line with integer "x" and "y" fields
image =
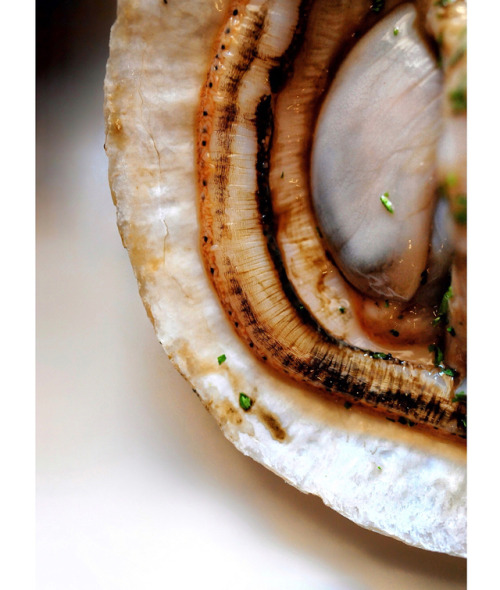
{"x": 395, "y": 32}
{"x": 386, "y": 202}
{"x": 436, "y": 320}
{"x": 451, "y": 330}
{"x": 379, "y": 468}
{"x": 221, "y": 359}
{"x": 380, "y": 355}
{"x": 245, "y": 402}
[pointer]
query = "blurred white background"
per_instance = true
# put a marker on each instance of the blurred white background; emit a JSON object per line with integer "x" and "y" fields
{"x": 136, "y": 487}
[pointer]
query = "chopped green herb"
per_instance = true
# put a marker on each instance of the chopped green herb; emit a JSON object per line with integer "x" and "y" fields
{"x": 221, "y": 359}
{"x": 451, "y": 330}
{"x": 342, "y": 309}
{"x": 458, "y": 99}
{"x": 438, "y": 354}
{"x": 451, "y": 179}
{"x": 464, "y": 422}
{"x": 245, "y": 402}
{"x": 395, "y": 32}
{"x": 394, "y": 333}
{"x": 436, "y": 320}
{"x": 347, "y": 405}
{"x": 377, "y": 6}
{"x": 386, "y": 303}
{"x": 386, "y": 202}
{"x": 443, "y": 306}
{"x": 460, "y": 396}
{"x": 461, "y": 211}
{"x": 380, "y": 355}
{"x": 379, "y": 468}
{"x": 449, "y": 372}
{"x": 443, "y": 3}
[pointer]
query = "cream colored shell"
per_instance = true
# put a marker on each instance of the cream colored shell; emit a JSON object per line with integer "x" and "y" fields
{"x": 380, "y": 475}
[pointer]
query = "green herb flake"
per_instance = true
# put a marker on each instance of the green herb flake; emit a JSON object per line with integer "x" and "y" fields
{"x": 451, "y": 331}
{"x": 443, "y": 3}
{"x": 386, "y": 202}
{"x": 386, "y": 303}
{"x": 451, "y": 179}
{"x": 460, "y": 396}
{"x": 449, "y": 372}
{"x": 377, "y": 6}
{"x": 443, "y": 306}
{"x": 395, "y": 32}
{"x": 438, "y": 354}
{"x": 379, "y": 468}
{"x": 245, "y": 402}
{"x": 460, "y": 213}
{"x": 380, "y": 355}
{"x": 221, "y": 359}
{"x": 458, "y": 99}
{"x": 437, "y": 320}
{"x": 342, "y": 309}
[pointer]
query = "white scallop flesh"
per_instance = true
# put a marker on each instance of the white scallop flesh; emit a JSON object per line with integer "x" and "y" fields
{"x": 376, "y": 135}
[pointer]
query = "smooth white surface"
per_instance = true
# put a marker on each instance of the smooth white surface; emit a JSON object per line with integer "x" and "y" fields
{"x": 136, "y": 486}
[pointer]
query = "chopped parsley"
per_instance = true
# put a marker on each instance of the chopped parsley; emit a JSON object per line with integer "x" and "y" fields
{"x": 438, "y": 354}
{"x": 395, "y": 32}
{"x": 377, "y": 6}
{"x": 458, "y": 99}
{"x": 221, "y": 359}
{"x": 386, "y": 202}
{"x": 443, "y": 306}
{"x": 443, "y": 3}
{"x": 461, "y": 211}
{"x": 245, "y": 402}
{"x": 380, "y": 355}
{"x": 451, "y": 331}
{"x": 386, "y": 303}
{"x": 460, "y": 396}
{"x": 451, "y": 179}
{"x": 379, "y": 468}
{"x": 449, "y": 372}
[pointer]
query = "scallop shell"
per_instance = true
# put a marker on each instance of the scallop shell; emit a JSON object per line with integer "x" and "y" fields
{"x": 384, "y": 477}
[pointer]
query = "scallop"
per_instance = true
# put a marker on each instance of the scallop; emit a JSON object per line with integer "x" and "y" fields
{"x": 330, "y": 156}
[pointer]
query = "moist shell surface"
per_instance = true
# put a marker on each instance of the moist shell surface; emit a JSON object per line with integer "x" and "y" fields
{"x": 382, "y": 476}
